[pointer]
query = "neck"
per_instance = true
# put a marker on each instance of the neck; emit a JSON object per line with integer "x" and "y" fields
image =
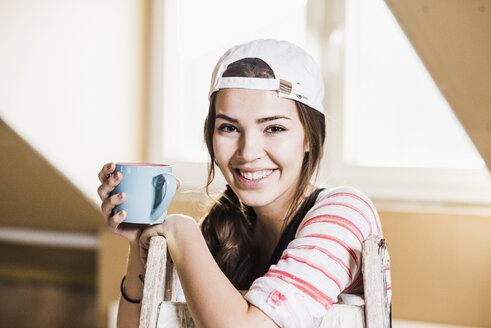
{"x": 271, "y": 218}
{"x": 269, "y": 223}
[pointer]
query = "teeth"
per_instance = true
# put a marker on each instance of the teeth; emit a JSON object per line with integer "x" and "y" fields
{"x": 255, "y": 175}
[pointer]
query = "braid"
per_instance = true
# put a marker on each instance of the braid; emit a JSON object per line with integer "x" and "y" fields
{"x": 228, "y": 231}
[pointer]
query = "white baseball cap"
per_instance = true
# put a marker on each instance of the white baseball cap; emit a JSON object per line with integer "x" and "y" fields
{"x": 296, "y": 74}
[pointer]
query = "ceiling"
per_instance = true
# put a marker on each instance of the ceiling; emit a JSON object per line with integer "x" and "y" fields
{"x": 453, "y": 39}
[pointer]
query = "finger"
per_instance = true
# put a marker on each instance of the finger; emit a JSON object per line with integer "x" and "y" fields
{"x": 143, "y": 249}
{"x": 110, "y": 203}
{"x": 114, "y": 221}
{"x": 178, "y": 183}
{"x": 106, "y": 170}
{"x": 108, "y": 186}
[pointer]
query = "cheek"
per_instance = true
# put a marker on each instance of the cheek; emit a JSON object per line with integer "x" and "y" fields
{"x": 288, "y": 154}
{"x": 216, "y": 149}
{"x": 223, "y": 149}
{"x": 291, "y": 147}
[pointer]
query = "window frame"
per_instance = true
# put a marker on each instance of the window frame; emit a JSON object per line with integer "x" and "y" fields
{"x": 192, "y": 175}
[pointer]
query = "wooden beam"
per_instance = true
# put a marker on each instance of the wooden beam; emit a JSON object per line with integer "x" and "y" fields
{"x": 453, "y": 39}
{"x": 35, "y": 194}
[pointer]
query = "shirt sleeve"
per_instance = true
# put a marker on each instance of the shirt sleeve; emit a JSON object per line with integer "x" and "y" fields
{"x": 322, "y": 261}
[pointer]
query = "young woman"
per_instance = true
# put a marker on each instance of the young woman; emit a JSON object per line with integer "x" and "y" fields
{"x": 294, "y": 247}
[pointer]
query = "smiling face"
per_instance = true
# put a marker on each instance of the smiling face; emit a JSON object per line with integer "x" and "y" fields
{"x": 258, "y": 144}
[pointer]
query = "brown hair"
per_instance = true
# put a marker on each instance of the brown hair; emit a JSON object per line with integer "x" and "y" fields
{"x": 228, "y": 228}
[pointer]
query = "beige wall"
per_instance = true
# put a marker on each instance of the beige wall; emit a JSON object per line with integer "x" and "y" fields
{"x": 441, "y": 266}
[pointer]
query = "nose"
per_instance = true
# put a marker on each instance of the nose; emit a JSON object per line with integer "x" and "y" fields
{"x": 251, "y": 147}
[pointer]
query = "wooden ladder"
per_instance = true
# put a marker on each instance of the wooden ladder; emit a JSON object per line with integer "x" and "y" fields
{"x": 161, "y": 309}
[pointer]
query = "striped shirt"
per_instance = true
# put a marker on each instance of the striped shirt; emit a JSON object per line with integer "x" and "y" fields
{"x": 322, "y": 262}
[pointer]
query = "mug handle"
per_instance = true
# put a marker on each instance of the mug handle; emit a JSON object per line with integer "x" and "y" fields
{"x": 168, "y": 194}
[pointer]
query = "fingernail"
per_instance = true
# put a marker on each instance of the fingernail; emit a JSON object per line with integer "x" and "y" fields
{"x": 121, "y": 195}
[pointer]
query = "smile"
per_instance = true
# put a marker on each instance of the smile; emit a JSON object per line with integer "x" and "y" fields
{"x": 257, "y": 175}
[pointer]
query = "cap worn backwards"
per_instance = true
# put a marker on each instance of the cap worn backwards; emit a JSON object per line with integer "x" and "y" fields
{"x": 296, "y": 74}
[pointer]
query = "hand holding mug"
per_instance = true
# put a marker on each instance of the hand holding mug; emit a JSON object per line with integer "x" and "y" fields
{"x": 149, "y": 189}
{"x": 136, "y": 193}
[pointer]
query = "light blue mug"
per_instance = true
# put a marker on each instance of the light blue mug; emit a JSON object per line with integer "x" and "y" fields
{"x": 149, "y": 190}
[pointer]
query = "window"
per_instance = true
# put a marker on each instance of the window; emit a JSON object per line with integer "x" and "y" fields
{"x": 198, "y": 41}
{"x": 392, "y": 132}
{"x": 382, "y": 106}
{"x": 395, "y": 116}
{"x": 193, "y": 35}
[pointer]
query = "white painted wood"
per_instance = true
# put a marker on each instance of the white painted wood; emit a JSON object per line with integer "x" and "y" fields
{"x": 153, "y": 288}
{"x": 172, "y": 284}
{"x": 375, "y": 287}
{"x": 174, "y": 315}
{"x": 343, "y": 316}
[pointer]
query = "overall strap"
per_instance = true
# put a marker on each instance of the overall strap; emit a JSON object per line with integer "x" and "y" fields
{"x": 292, "y": 227}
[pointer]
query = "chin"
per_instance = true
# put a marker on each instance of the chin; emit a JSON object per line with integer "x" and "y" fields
{"x": 254, "y": 198}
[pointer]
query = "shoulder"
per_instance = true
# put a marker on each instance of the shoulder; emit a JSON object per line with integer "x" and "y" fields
{"x": 345, "y": 195}
{"x": 322, "y": 261}
{"x": 343, "y": 205}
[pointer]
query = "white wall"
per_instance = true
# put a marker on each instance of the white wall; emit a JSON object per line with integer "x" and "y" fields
{"x": 71, "y": 77}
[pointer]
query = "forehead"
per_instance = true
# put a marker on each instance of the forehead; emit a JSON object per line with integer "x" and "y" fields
{"x": 247, "y": 103}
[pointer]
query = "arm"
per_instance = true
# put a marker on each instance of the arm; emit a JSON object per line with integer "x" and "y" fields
{"x": 320, "y": 263}
{"x": 212, "y": 299}
{"x": 129, "y": 313}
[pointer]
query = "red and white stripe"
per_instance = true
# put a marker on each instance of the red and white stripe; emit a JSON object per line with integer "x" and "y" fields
{"x": 322, "y": 261}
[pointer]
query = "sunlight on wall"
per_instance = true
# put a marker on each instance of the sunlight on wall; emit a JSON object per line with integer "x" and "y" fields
{"x": 71, "y": 82}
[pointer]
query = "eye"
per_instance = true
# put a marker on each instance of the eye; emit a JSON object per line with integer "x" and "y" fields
{"x": 274, "y": 129}
{"x": 227, "y": 128}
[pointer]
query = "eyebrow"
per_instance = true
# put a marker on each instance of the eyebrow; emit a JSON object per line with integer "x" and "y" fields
{"x": 259, "y": 120}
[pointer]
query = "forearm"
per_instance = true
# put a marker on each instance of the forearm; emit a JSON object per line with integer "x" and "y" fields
{"x": 129, "y": 313}
{"x": 212, "y": 299}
